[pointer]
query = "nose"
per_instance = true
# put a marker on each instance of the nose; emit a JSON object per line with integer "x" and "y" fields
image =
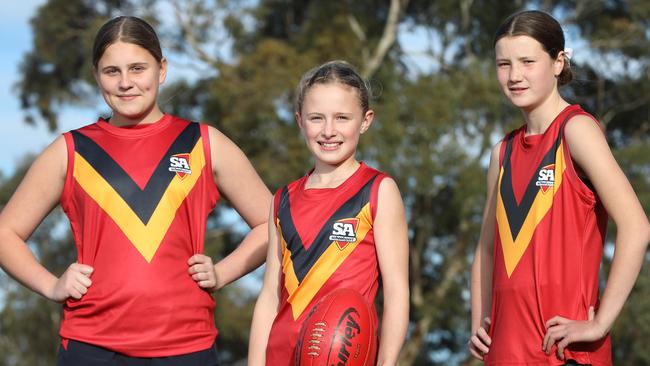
{"x": 515, "y": 74}
{"x": 329, "y": 128}
{"x": 125, "y": 81}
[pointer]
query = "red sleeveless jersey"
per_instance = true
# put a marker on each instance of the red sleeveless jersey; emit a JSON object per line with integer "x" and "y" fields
{"x": 327, "y": 242}
{"x": 137, "y": 199}
{"x": 548, "y": 246}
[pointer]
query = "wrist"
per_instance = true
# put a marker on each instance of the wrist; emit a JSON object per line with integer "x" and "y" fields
{"x": 601, "y": 326}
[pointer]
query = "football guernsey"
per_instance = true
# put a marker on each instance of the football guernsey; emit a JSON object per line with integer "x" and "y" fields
{"x": 138, "y": 199}
{"x": 326, "y": 239}
{"x": 550, "y": 230}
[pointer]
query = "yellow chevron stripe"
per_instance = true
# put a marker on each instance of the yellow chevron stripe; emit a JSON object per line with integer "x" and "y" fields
{"x": 513, "y": 249}
{"x": 301, "y": 295}
{"x": 145, "y": 238}
{"x": 290, "y": 280}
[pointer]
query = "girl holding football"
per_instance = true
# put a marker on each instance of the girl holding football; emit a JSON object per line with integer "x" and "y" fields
{"x": 342, "y": 225}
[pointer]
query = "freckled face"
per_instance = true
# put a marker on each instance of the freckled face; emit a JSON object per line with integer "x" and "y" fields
{"x": 331, "y": 121}
{"x": 526, "y": 73}
{"x": 129, "y": 77}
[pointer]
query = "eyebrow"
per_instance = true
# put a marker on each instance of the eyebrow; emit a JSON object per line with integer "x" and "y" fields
{"x": 142, "y": 63}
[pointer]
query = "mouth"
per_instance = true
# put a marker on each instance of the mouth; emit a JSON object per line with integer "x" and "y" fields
{"x": 127, "y": 97}
{"x": 329, "y": 145}
{"x": 517, "y": 90}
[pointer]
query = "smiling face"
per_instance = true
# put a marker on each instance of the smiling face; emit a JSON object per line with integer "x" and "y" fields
{"x": 526, "y": 72}
{"x": 331, "y": 120}
{"x": 128, "y": 77}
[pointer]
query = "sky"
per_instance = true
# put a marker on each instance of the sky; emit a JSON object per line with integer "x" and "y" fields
{"x": 17, "y": 139}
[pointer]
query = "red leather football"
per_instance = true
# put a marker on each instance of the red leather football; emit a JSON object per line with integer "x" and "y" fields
{"x": 339, "y": 330}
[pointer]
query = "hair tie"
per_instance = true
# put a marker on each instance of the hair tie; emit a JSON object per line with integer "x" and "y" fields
{"x": 568, "y": 53}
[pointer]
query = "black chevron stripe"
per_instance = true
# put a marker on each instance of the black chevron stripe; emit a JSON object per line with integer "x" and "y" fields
{"x": 303, "y": 259}
{"x": 517, "y": 213}
{"x": 142, "y": 201}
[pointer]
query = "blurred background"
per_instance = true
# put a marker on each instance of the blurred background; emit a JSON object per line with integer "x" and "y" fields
{"x": 235, "y": 64}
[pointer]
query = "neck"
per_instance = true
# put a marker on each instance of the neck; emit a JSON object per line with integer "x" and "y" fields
{"x": 120, "y": 120}
{"x": 540, "y": 117}
{"x": 330, "y": 176}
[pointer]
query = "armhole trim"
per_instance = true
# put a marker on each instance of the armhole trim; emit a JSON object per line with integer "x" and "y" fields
{"x": 588, "y": 194}
{"x": 374, "y": 194}
{"x": 205, "y": 138}
{"x": 66, "y": 194}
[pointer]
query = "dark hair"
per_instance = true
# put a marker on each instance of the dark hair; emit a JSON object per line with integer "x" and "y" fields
{"x": 330, "y": 72}
{"x": 544, "y": 29}
{"x": 127, "y": 29}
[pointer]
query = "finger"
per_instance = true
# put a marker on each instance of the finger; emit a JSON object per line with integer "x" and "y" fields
{"x": 483, "y": 336}
{"x": 552, "y": 335}
{"x": 198, "y": 276}
{"x": 487, "y": 321}
{"x": 548, "y": 341}
{"x": 83, "y": 268}
{"x": 206, "y": 284}
{"x": 84, "y": 281}
{"x": 196, "y": 258}
{"x": 561, "y": 346}
{"x": 475, "y": 353}
{"x": 478, "y": 344}
{"x": 74, "y": 294}
{"x": 556, "y": 320}
{"x": 592, "y": 313}
{"x": 196, "y": 268}
{"x": 80, "y": 288}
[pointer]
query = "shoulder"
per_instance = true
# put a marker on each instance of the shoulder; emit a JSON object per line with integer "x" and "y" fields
{"x": 388, "y": 189}
{"x": 583, "y": 130}
{"x": 581, "y": 123}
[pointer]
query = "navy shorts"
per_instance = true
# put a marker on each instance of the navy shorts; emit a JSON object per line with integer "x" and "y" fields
{"x": 84, "y": 354}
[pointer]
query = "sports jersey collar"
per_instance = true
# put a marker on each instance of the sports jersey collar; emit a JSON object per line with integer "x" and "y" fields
{"x": 138, "y": 130}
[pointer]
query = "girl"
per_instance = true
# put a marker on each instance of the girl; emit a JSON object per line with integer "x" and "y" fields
{"x": 551, "y": 185}
{"x": 304, "y": 263}
{"x": 137, "y": 189}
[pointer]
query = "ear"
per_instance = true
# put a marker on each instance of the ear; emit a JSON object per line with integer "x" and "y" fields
{"x": 298, "y": 120}
{"x": 96, "y": 74}
{"x": 558, "y": 63}
{"x": 367, "y": 120}
{"x": 162, "y": 73}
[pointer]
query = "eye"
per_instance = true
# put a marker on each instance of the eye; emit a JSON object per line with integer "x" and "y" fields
{"x": 503, "y": 64}
{"x": 315, "y": 118}
{"x": 111, "y": 71}
{"x": 137, "y": 68}
{"x": 342, "y": 118}
{"x": 528, "y": 62}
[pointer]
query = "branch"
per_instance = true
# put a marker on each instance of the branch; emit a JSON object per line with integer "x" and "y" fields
{"x": 187, "y": 26}
{"x": 625, "y": 107}
{"x": 358, "y": 31}
{"x": 387, "y": 39}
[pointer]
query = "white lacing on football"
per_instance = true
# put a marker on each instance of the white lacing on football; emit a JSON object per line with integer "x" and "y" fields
{"x": 314, "y": 341}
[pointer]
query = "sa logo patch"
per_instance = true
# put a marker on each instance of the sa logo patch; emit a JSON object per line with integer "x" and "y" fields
{"x": 180, "y": 164}
{"x": 344, "y": 231}
{"x": 546, "y": 177}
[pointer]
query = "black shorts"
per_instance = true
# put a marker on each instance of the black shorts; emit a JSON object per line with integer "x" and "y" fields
{"x": 84, "y": 354}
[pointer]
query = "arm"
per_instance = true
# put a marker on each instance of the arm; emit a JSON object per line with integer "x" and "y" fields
{"x": 240, "y": 184}
{"x": 28, "y": 206}
{"x": 266, "y": 307}
{"x": 391, "y": 241}
{"x": 590, "y": 151}
{"x": 481, "y": 283}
